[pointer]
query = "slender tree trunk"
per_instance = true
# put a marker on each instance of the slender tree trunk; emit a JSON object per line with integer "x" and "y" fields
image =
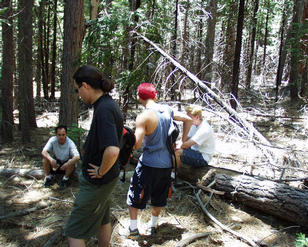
{"x": 237, "y": 57}
{"x": 252, "y": 44}
{"x": 94, "y": 9}
{"x": 210, "y": 39}
{"x": 229, "y": 48}
{"x": 40, "y": 49}
{"x": 295, "y": 49}
{"x": 25, "y": 95}
{"x": 8, "y": 66}
{"x": 46, "y": 48}
{"x": 174, "y": 51}
{"x": 266, "y": 32}
{"x": 184, "y": 45}
{"x": 304, "y": 81}
{"x": 134, "y": 5}
{"x": 282, "y": 49}
{"x": 74, "y": 30}
{"x": 54, "y": 52}
{"x": 197, "y": 70}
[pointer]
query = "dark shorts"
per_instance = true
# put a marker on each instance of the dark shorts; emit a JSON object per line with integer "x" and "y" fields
{"x": 58, "y": 171}
{"x": 149, "y": 183}
{"x": 91, "y": 209}
{"x": 193, "y": 158}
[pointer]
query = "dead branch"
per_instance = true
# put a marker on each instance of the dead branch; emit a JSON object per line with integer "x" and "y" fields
{"x": 187, "y": 241}
{"x": 24, "y": 212}
{"x": 210, "y": 190}
{"x": 28, "y": 173}
{"x": 225, "y": 228}
{"x": 53, "y": 238}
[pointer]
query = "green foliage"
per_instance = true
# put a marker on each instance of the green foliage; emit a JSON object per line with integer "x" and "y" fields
{"x": 301, "y": 240}
{"x": 76, "y": 134}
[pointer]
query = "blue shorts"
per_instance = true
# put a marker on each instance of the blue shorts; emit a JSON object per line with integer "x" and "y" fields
{"x": 193, "y": 158}
{"x": 149, "y": 183}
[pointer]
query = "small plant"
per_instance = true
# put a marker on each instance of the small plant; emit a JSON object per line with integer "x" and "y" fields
{"x": 301, "y": 240}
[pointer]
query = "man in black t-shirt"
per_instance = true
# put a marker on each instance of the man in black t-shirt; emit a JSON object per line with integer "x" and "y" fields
{"x": 100, "y": 169}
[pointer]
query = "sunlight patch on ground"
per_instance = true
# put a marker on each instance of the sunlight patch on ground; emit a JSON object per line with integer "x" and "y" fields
{"x": 33, "y": 196}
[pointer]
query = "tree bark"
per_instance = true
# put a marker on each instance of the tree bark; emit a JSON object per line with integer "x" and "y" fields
{"x": 282, "y": 47}
{"x": 266, "y": 32}
{"x": 237, "y": 54}
{"x": 295, "y": 50}
{"x": 252, "y": 44}
{"x": 54, "y": 52}
{"x": 25, "y": 90}
{"x": 210, "y": 39}
{"x": 229, "y": 47}
{"x": 8, "y": 66}
{"x": 74, "y": 30}
{"x": 273, "y": 198}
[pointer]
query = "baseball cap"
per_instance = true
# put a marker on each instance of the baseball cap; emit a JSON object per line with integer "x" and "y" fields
{"x": 146, "y": 91}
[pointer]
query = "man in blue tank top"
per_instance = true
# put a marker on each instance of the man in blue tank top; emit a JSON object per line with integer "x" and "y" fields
{"x": 151, "y": 179}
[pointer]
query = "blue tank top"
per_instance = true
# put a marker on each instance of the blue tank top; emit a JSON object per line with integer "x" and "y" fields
{"x": 155, "y": 152}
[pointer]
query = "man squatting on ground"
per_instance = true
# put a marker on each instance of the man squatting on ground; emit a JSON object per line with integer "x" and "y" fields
{"x": 65, "y": 156}
{"x": 199, "y": 147}
{"x": 151, "y": 179}
{"x": 100, "y": 170}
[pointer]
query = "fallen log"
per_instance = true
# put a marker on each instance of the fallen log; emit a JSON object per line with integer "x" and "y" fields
{"x": 270, "y": 197}
{"x": 28, "y": 173}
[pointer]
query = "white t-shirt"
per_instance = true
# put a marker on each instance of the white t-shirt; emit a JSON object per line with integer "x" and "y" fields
{"x": 204, "y": 137}
{"x": 62, "y": 152}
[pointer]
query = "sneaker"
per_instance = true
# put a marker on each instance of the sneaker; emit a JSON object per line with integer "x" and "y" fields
{"x": 63, "y": 184}
{"x": 151, "y": 230}
{"x": 133, "y": 233}
{"x": 48, "y": 182}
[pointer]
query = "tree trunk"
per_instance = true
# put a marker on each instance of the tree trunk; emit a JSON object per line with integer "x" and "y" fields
{"x": 266, "y": 32}
{"x": 252, "y": 44}
{"x": 210, "y": 39}
{"x": 273, "y": 198}
{"x": 25, "y": 90}
{"x": 282, "y": 48}
{"x": 237, "y": 56}
{"x": 94, "y": 9}
{"x": 54, "y": 52}
{"x": 295, "y": 49}
{"x": 197, "y": 69}
{"x": 229, "y": 47}
{"x": 46, "y": 35}
{"x": 40, "y": 56}
{"x": 74, "y": 30}
{"x": 172, "y": 83}
{"x": 8, "y": 66}
{"x": 134, "y": 5}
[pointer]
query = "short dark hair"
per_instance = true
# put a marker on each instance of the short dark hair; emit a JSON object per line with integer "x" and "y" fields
{"x": 92, "y": 76}
{"x": 61, "y": 126}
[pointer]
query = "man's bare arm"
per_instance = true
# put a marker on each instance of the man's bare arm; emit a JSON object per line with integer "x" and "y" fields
{"x": 140, "y": 130}
{"x": 187, "y": 123}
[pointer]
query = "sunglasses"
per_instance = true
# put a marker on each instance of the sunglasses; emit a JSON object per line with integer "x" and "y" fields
{"x": 77, "y": 89}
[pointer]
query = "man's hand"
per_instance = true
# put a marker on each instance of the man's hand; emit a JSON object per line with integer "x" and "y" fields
{"x": 54, "y": 164}
{"x": 94, "y": 171}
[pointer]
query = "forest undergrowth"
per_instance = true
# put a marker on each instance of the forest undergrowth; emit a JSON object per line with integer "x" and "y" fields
{"x": 284, "y": 125}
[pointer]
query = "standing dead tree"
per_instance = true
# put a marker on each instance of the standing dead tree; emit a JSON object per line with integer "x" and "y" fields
{"x": 234, "y": 118}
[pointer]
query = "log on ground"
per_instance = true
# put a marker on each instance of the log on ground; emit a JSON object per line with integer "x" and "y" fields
{"x": 273, "y": 198}
{"x": 191, "y": 174}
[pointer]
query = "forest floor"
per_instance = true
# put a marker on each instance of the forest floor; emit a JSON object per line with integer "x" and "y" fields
{"x": 181, "y": 218}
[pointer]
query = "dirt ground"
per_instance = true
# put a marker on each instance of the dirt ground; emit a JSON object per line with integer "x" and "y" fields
{"x": 182, "y": 217}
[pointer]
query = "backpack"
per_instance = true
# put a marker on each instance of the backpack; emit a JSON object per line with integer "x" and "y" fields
{"x": 126, "y": 148}
{"x": 173, "y": 133}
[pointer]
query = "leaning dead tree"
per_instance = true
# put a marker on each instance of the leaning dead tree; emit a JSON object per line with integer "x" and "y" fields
{"x": 234, "y": 118}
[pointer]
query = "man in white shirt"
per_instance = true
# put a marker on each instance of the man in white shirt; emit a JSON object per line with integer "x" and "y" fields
{"x": 65, "y": 156}
{"x": 198, "y": 149}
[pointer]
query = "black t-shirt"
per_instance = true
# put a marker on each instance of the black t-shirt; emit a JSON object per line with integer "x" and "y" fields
{"x": 106, "y": 130}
